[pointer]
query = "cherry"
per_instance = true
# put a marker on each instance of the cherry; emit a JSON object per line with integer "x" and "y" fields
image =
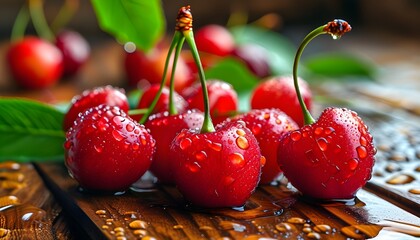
{"x": 331, "y": 158}
{"x": 94, "y": 97}
{"x": 278, "y": 92}
{"x": 164, "y": 127}
{"x": 35, "y": 63}
{"x": 215, "y": 39}
{"x": 149, "y": 66}
{"x": 223, "y": 99}
{"x": 268, "y": 126}
{"x": 255, "y": 57}
{"x": 162, "y": 104}
{"x": 213, "y": 167}
{"x": 106, "y": 150}
{"x": 217, "y": 169}
{"x": 75, "y": 50}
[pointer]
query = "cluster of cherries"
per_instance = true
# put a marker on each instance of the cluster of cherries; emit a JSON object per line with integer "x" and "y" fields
{"x": 37, "y": 62}
{"x": 108, "y": 147}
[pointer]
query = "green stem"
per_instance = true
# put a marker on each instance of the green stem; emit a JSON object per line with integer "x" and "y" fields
{"x": 137, "y": 111}
{"x": 39, "y": 21}
{"x": 207, "y": 123}
{"x": 19, "y": 26}
{"x": 175, "y": 41}
{"x": 172, "y": 105}
{"x": 336, "y": 29}
{"x": 64, "y": 15}
{"x": 308, "y": 119}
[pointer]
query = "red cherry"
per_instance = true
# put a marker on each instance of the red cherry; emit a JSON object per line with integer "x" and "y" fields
{"x": 75, "y": 50}
{"x": 279, "y": 92}
{"x": 329, "y": 159}
{"x": 149, "y": 66}
{"x": 35, "y": 63}
{"x": 106, "y": 150}
{"x": 215, "y": 39}
{"x": 164, "y": 128}
{"x": 223, "y": 99}
{"x": 217, "y": 169}
{"x": 94, "y": 97}
{"x": 255, "y": 57}
{"x": 162, "y": 104}
{"x": 268, "y": 126}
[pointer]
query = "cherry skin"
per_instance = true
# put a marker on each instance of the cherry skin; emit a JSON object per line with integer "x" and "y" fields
{"x": 329, "y": 159}
{"x": 35, "y": 63}
{"x": 255, "y": 58}
{"x": 75, "y": 50}
{"x": 217, "y": 169}
{"x": 223, "y": 99}
{"x": 268, "y": 126}
{"x": 162, "y": 104}
{"x": 106, "y": 150}
{"x": 164, "y": 128}
{"x": 215, "y": 39}
{"x": 149, "y": 67}
{"x": 94, "y": 97}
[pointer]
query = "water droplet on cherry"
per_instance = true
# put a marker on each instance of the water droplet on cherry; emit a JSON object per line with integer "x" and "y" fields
{"x": 242, "y": 143}
{"x": 322, "y": 144}
{"x": 361, "y": 152}
{"x": 201, "y": 155}
{"x": 237, "y": 159}
{"x": 295, "y": 136}
{"x": 185, "y": 143}
{"x": 117, "y": 135}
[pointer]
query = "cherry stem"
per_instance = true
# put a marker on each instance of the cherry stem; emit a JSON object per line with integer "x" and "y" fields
{"x": 38, "y": 18}
{"x": 19, "y": 26}
{"x": 207, "y": 122}
{"x": 175, "y": 41}
{"x": 172, "y": 106}
{"x": 137, "y": 111}
{"x": 64, "y": 15}
{"x": 336, "y": 29}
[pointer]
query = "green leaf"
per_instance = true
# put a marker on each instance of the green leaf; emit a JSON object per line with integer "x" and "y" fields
{"x": 30, "y": 131}
{"x": 237, "y": 74}
{"x": 339, "y": 65}
{"x": 280, "y": 50}
{"x": 138, "y": 21}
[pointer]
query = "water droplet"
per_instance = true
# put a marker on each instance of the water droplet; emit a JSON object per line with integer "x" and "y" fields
{"x": 296, "y": 220}
{"x": 295, "y": 136}
{"x": 353, "y": 163}
{"x": 178, "y": 227}
{"x": 185, "y": 143}
{"x": 117, "y": 135}
{"x": 361, "y": 152}
{"x": 318, "y": 130}
{"x": 201, "y": 155}
{"x": 306, "y": 229}
{"x": 242, "y": 143}
{"x": 284, "y": 227}
{"x": 310, "y": 155}
{"x": 193, "y": 167}
{"x": 414, "y": 191}
{"x": 240, "y": 132}
{"x": 100, "y": 212}
{"x": 322, "y": 228}
{"x": 10, "y": 165}
{"x": 401, "y": 179}
{"x": 67, "y": 145}
{"x": 140, "y": 232}
{"x": 263, "y": 160}
{"x": 314, "y": 235}
{"x": 237, "y": 159}
{"x": 130, "y": 127}
{"x": 363, "y": 141}
{"x": 228, "y": 225}
{"x": 329, "y": 130}
{"x": 215, "y": 146}
{"x": 256, "y": 129}
{"x": 337, "y": 149}
{"x": 266, "y": 116}
{"x": 228, "y": 180}
{"x": 322, "y": 144}
{"x": 98, "y": 148}
{"x": 8, "y": 200}
{"x": 4, "y": 232}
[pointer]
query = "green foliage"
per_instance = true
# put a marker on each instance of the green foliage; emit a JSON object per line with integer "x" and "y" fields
{"x": 138, "y": 21}
{"x": 338, "y": 65}
{"x": 30, "y": 131}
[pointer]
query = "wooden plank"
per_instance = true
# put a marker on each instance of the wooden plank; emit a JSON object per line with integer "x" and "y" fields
{"x": 272, "y": 212}
{"x": 27, "y": 209}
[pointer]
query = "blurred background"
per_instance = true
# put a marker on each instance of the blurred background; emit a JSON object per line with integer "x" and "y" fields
{"x": 385, "y": 32}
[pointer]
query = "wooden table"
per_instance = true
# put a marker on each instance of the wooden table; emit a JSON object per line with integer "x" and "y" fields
{"x": 41, "y": 201}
